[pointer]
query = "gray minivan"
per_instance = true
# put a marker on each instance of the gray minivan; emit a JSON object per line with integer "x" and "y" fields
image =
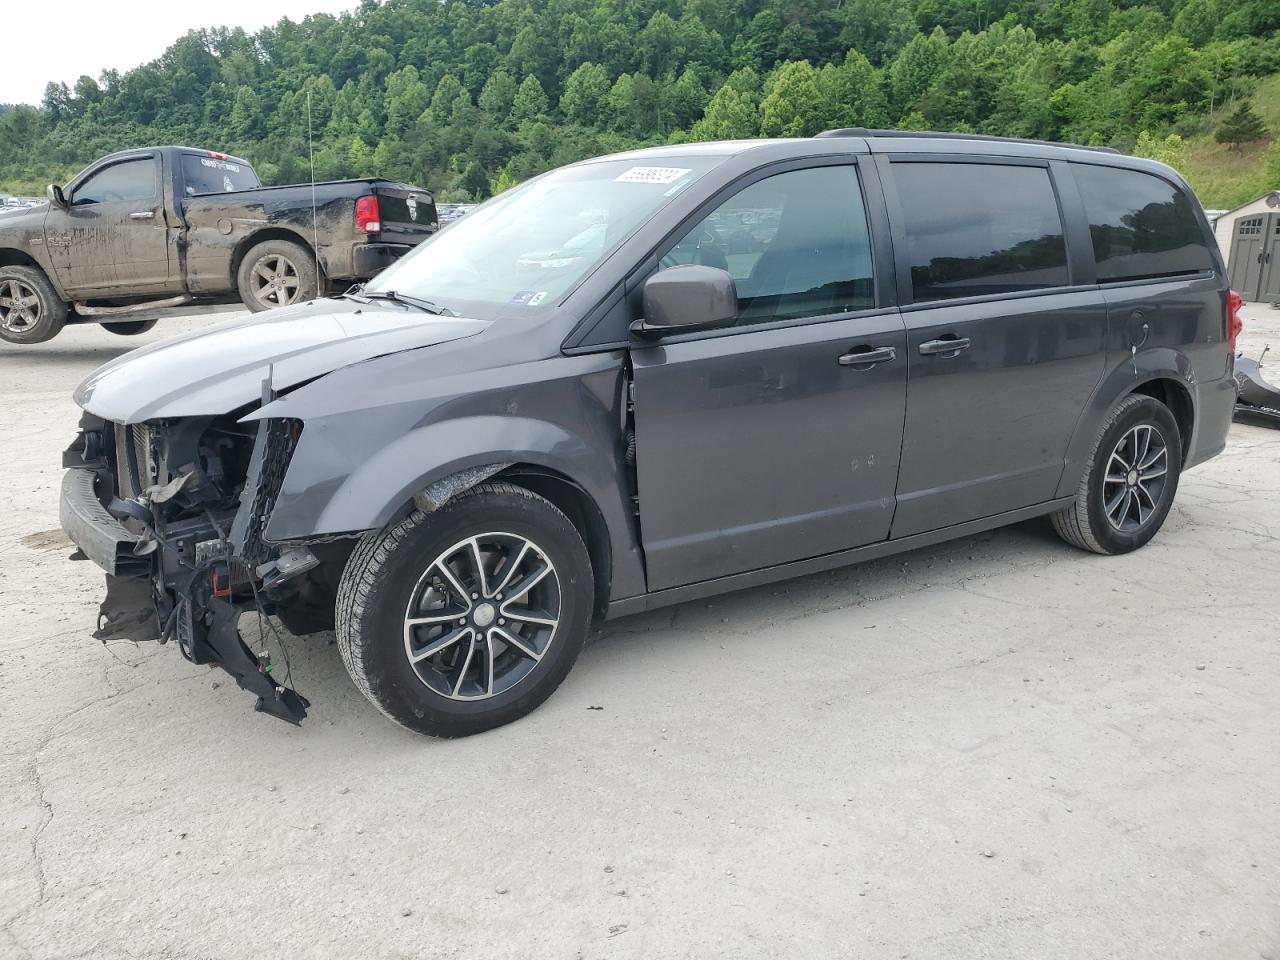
{"x": 653, "y": 377}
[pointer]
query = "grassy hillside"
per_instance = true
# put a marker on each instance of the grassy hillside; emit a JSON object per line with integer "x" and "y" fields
{"x": 1225, "y": 178}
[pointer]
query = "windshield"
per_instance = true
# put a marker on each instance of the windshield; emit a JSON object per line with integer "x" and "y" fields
{"x": 213, "y": 175}
{"x": 527, "y": 247}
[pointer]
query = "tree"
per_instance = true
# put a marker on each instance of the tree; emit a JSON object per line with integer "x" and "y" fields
{"x": 731, "y": 115}
{"x": 793, "y": 106}
{"x": 531, "y": 102}
{"x": 446, "y": 94}
{"x": 1242, "y": 125}
{"x": 585, "y": 93}
{"x": 851, "y": 94}
{"x": 1171, "y": 150}
{"x": 406, "y": 98}
{"x": 498, "y": 95}
{"x": 245, "y": 123}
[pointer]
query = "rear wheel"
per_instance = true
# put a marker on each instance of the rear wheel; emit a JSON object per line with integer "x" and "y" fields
{"x": 130, "y": 328}
{"x": 467, "y": 618}
{"x": 1129, "y": 483}
{"x": 30, "y": 309}
{"x": 277, "y": 273}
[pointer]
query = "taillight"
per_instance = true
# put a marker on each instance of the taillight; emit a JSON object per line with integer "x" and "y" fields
{"x": 1234, "y": 323}
{"x": 368, "y": 215}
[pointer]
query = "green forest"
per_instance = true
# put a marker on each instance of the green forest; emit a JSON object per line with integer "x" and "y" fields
{"x": 468, "y": 97}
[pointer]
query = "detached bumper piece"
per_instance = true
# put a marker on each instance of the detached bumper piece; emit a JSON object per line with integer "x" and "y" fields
{"x": 221, "y": 644}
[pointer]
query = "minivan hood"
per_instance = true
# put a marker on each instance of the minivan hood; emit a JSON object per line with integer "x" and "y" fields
{"x": 215, "y": 370}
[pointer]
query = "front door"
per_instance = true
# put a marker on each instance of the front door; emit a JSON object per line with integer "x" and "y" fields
{"x": 771, "y": 441}
{"x": 114, "y": 238}
{"x": 1002, "y": 352}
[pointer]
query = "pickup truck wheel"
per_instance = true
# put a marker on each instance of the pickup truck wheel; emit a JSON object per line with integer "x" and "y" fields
{"x": 1129, "y": 482}
{"x": 277, "y": 273}
{"x": 467, "y": 618}
{"x": 30, "y": 309}
{"x": 131, "y": 328}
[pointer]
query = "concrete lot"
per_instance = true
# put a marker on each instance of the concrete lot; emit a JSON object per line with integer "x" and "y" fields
{"x": 999, "y": 747}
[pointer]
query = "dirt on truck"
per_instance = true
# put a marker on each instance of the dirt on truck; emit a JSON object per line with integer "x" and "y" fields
{"x": 144, "y": 230}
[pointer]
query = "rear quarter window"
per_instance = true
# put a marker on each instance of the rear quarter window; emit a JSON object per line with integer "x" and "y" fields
{"x": 1142, "y": 226}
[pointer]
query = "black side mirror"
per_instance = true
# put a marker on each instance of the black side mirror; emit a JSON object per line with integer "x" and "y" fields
{"x": 56, "y": 196}
{"x": 687, "y": 298}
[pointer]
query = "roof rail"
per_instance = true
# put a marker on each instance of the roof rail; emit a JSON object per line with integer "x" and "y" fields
{"x": 939, "y": 135}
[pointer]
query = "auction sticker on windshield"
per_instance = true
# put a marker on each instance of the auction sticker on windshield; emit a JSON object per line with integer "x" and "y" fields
{"x": 651, "y": 175}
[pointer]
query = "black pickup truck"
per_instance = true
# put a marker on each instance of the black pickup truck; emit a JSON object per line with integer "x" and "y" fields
{"x": 144, "y": 230}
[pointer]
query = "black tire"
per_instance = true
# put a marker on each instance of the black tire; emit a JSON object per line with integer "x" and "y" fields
{"x": 387, "y": 570}
{"x": 1086, "y": 523}
{"x": 130, "y": 328}
{"x": 277, "y": 273}
{"x": 30, "y": 309}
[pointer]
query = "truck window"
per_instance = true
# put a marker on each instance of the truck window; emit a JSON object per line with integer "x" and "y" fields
{"x": 1141, "y": 226}
{"x": 212, "y": 175}
{"x": 130, "y": 180}
{"x": 980, "y": 228}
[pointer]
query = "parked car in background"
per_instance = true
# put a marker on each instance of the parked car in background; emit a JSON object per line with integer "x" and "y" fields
{"x": 656, "y": 377}
{"x": 450, "y": 212}
{"x": 158, "y": 227}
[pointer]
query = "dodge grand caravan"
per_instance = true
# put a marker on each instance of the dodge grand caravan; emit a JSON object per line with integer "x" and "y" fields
{"x": 654, "y": 377}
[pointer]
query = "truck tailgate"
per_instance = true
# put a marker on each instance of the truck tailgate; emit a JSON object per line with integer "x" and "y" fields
{"x": 408, "y": 214}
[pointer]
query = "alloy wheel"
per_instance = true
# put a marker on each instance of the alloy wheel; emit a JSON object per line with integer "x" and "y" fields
{"x": 275, "y": 281}
{"x": 19, "y": 306}
{"x": 482, "y": 616}
{"x": 1137, "y": 471}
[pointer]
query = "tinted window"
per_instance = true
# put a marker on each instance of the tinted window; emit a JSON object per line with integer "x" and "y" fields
{"x": 211, "y": 175}
{"x": 796, "y": 245}
{"x": 976, "y": 228}
{"x": 131, "y": 180}
{"x": 1141, "y": 226}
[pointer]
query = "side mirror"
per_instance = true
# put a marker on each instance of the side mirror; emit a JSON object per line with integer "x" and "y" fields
{"x": 687, "y": 298}
{"x": 56, "y": 196}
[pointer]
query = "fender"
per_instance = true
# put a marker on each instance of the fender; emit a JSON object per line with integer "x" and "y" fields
{"x": 358, "y": 471}
{"x": 37, "y": 257}
{"x": 1118, "y": 382}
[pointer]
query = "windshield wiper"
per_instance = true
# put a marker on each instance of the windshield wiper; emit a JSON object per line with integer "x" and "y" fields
{"x": 426, "y": 306}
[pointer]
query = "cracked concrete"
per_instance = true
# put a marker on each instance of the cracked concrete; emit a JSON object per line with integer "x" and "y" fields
{"x": 997, "y": 747}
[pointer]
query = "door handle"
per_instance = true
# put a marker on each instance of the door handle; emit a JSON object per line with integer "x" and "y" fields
{"x": 867, "y": 356}
{"x": 946, "y": 347}
{"x": 143, "y": 215}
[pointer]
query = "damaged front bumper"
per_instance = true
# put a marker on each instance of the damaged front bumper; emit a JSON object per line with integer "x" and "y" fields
{"x": 183, "y": 559}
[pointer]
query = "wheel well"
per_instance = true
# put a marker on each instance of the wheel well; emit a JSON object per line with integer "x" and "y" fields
{"x": 577, "y": 505}
{"x": 1174, "y": 396}
{"x": 262, "y": 236}
{"x": 16, "y": 258}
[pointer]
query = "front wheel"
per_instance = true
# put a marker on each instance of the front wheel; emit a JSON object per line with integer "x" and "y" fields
{"x": 1129, "y": 482}
{"x": 30, "y": 309}
{"x": 467, "y": 618}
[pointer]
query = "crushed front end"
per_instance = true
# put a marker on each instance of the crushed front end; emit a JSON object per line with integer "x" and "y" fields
{"x": 175, "y": 512}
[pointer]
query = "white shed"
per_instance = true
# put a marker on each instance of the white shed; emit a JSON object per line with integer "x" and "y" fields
{"x": 1249, "y": 238}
